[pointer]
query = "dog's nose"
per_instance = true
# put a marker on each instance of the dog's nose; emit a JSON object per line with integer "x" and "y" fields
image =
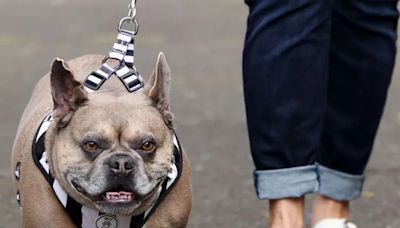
{"x": 121, "y": 164}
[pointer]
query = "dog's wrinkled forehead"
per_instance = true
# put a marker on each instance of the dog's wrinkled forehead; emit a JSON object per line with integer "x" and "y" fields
{"x": 112, "y": 114}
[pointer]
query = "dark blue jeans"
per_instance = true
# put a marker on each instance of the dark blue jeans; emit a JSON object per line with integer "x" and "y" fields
{"x": 316, "y": 75}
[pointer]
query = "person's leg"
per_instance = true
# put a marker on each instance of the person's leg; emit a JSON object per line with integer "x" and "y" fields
{"x": 285, "y": 69}
{"x": 282, "y": 209}
{"x": 362, "y": 52}
{"x": 327, "y": 208}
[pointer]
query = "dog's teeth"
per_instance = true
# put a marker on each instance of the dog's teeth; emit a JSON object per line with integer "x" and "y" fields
{"x": 119, "y": 196}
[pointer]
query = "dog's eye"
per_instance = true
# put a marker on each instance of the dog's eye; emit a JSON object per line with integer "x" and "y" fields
{"x": 91, "y": 146}
{"x": 148, "y": 146}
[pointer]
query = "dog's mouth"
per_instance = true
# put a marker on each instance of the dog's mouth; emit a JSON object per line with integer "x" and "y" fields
{"x": 116, "y": 195}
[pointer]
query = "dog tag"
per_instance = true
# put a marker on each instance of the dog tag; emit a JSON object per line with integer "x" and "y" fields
{"x": 107, "y": 221}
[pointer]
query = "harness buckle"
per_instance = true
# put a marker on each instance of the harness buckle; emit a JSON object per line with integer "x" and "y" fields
{"x": 132, "y": 81}
{"x": 94, "y": 81}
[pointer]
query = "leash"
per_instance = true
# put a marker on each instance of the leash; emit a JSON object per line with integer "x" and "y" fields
{"x": 123, "y": 52}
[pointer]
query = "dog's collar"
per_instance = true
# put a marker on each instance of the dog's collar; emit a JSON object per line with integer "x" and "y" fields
{"x": 86, "y": 217}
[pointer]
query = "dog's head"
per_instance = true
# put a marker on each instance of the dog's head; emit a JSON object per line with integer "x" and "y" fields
{"x": 111, "y": 150}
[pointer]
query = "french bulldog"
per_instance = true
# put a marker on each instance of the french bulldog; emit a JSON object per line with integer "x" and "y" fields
{"x": 109, "y": 150}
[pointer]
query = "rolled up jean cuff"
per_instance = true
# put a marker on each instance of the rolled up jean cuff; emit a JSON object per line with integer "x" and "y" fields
{"x": 286, "y": 183}
{"x": 298, "y": 181}
{"x": 338, "y": 185}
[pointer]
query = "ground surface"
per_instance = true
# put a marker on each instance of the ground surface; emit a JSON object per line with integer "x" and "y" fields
{"x": 203, "y": 42}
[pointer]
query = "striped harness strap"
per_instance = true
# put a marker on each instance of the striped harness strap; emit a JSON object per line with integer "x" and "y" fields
{"x": 123, "y": 52}
{"x": 85, "y": 217}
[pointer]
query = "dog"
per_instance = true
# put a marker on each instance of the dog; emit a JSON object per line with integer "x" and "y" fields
{"x": 109, "y": 150}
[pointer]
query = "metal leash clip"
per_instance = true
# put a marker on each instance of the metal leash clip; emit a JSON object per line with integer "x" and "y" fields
{"x": 131, "y": 18}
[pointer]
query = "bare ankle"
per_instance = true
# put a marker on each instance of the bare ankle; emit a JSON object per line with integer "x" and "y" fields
{"x": 325, "y": 207}
{"x": 286, "y": 213}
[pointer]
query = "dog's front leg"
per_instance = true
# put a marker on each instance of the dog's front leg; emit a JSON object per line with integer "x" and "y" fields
{"x": 40, "y": 207}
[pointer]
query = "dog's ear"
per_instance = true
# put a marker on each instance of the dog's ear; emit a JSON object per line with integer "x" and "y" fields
{"x": 158, "y": 88}
{"x": 68, "y": 94}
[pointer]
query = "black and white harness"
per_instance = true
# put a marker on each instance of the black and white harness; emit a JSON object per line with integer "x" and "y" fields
{"x": 123, "y": 52}
{"x": 85, "y": 217}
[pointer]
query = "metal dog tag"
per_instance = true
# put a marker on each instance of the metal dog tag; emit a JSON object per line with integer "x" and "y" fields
{"x": 107, "y": 221}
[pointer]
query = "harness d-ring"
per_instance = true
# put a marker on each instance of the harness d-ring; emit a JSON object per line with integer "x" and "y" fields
{"x": 128, "y": 20}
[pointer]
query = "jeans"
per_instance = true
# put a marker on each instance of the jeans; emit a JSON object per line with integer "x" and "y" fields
{"x": 315, "y": 76}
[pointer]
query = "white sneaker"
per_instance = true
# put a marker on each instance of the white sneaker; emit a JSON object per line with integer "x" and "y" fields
{"x": 335, "y": 223}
